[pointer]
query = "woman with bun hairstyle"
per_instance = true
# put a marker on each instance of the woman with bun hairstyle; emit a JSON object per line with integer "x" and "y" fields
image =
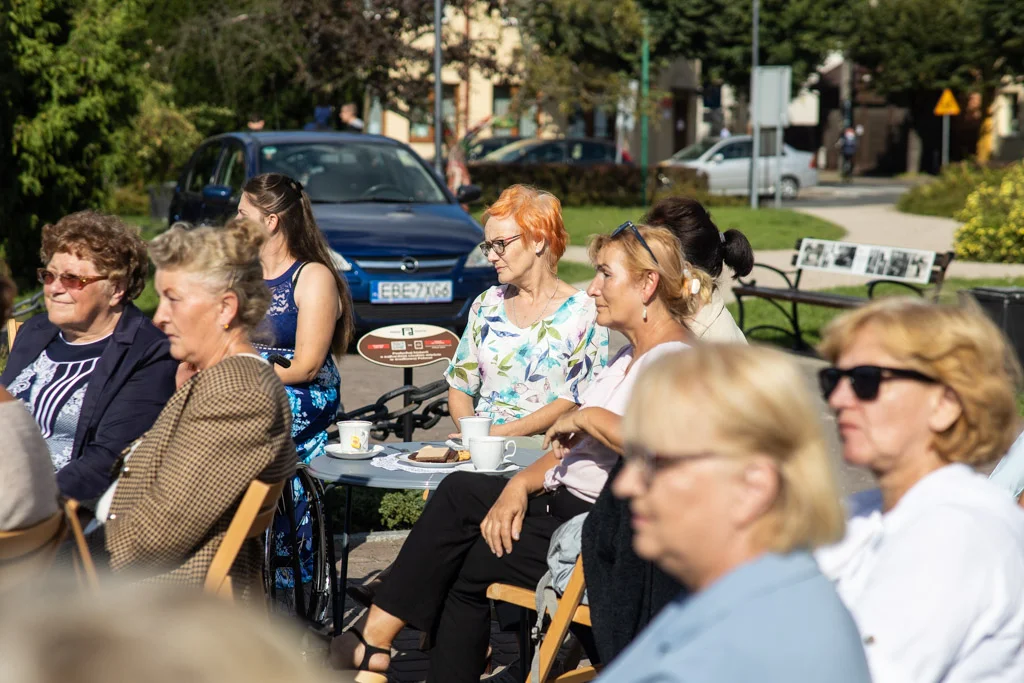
{"x": 627, "y": 592}
{"x": 710, "y": 250}
{"x": 228, "y": 424}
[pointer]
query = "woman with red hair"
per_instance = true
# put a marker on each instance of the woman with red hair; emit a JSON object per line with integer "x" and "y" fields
{"x": 531, "y": 344}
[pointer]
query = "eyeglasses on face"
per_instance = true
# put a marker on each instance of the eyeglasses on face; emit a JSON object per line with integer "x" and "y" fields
{"x": 866, "y": 380}
{"x": 68, "y": 280}
{"x": 498, "y": 245}
{"x": 628, "y": 225}
{"x": 650, "y": 463}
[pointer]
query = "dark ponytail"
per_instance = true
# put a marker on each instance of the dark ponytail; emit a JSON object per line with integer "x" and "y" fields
{"x": 278, "y": 194}
{"x": 703, "y": 245}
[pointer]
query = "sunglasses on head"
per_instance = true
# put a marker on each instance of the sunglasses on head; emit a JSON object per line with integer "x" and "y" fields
{"x": 866, "y": 379}
{"x": 67, "y": 280}
{"x": 628, "y": 225}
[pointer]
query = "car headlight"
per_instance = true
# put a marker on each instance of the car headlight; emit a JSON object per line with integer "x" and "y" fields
{"x": 339, "y": 262}
{"x": 476, "y": 259}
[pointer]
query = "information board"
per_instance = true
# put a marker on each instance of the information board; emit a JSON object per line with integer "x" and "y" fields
{"x": 408, "y": 346}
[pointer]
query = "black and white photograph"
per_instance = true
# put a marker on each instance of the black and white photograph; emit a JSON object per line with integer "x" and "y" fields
{"x": 898, "y": 262}
{"x": 877, "y": 262}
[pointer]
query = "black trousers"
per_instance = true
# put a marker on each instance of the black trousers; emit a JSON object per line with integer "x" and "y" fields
{"x": 439, "y": 581}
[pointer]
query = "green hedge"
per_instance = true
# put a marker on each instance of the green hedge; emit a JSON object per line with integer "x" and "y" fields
{"x": 946, "y": 196}
{"x": 993, "y": 220}
{"x": 604, "y": 185}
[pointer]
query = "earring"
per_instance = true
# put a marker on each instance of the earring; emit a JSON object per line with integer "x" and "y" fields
{"x": 227, "y": 325}
{"x": 645, "y": 314}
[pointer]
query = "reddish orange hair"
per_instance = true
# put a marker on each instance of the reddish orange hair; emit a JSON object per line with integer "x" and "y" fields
{"x": 539, "y": 215}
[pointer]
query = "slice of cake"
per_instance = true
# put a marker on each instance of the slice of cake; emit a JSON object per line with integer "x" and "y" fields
{"x": 432, "y": 454}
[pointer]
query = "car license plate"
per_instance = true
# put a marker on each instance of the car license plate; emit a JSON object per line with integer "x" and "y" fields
{"x": 398, "y": 292}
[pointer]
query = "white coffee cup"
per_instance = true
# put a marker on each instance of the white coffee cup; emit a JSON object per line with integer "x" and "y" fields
{"x": 354, "y": 435}
{"x": 489, "y": 452}
{"x": 474, "y": 426}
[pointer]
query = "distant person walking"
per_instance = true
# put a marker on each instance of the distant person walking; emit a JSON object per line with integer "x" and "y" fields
{"x": 349, "y": 121}
{"x": 321, "y": 120}
{"x": 848, "y": 148}
{"x": 256, "y": 122}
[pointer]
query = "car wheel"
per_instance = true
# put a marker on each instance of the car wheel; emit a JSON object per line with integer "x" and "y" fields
{"x": 790, "y": 187}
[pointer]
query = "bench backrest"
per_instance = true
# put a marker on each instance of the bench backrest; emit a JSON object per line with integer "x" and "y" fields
{"x": 873, "y": 261}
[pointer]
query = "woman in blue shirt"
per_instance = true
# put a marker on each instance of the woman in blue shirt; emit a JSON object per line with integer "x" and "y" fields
{"x": 732, "y": 514}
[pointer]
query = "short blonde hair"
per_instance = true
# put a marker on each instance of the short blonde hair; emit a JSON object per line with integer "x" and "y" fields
{"x": 676, "y": 274}
{"x": 144, "y": 633}
{"x": 227, "y": 258}
{"x": 757, "y": 401}
{"x": 961, "y": 348}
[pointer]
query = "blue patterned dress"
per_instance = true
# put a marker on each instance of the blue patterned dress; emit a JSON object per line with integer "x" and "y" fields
{"x": 313, "y": 404}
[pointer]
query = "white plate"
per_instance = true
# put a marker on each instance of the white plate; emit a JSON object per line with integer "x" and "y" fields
{"x": 404, "y": 457}
{"x": 468, "y": 467}
{"x": 456, "y": 445}
{"x": 334, "y": 450}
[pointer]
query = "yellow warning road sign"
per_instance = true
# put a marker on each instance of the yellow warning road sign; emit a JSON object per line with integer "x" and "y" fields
{"x": 947, "y": 105}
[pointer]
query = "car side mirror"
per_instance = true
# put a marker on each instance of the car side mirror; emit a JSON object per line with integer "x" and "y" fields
{"x": 718, "y": 158}
{"x": 217, "y": 192}
{"x": 467, "y": 194}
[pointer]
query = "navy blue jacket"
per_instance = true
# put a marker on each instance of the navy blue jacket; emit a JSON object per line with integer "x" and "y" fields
{"x": 127, "y": 390}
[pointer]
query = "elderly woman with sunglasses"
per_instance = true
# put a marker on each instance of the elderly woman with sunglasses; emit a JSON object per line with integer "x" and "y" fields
{"x": 935, "y": 580}
{"x": 480, "y": 529}
{"x": 531, "y": 344}
{"x": 93, "y": 370}
{"x": 730, "y": 488}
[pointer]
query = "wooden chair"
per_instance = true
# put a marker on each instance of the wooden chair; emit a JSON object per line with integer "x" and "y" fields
{"x": 253, "y": 517}
{"x": 569, "y": 611}
{"x": 34, "y": 547}
{"x": 85, "y": 568}
{"x": 12, "y": 330}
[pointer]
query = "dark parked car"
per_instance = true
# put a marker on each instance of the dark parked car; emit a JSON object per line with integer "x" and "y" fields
{"x": 577, "y": 151}
{"x": 484, "y": 146}
{"x": 398, "y": 235}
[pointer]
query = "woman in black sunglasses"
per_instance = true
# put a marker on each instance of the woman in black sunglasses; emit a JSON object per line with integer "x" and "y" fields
{"x": 935, "y": 579}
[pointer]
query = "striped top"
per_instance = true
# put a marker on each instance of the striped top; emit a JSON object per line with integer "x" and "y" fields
{"x": 53, "y": 388}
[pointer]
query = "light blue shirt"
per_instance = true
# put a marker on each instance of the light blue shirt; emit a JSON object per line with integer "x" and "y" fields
{"x": 1009, "y": 473}
{"x": 774, "y": 620}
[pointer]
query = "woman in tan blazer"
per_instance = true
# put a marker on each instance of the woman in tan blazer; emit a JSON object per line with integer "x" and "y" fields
{"x": 228, "y": 423}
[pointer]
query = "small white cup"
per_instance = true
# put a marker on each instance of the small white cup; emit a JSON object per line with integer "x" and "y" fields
{"x": 488, "y": 452}
{"x": 354, "y": 435}
{"x": 474, "y": 426}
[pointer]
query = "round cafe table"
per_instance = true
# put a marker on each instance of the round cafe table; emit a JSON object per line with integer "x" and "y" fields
{"x": 334, "y": 472}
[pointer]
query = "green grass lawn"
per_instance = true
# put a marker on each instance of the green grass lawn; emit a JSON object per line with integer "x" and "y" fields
{"x": 813, "y": 319}
{"x": 765, "y": 228}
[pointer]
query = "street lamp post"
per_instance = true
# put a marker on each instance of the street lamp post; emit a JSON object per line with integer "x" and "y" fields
{"x": 438, "y": 90}
{"x": 755, "y": 152}
{"x": 645, "y": 88}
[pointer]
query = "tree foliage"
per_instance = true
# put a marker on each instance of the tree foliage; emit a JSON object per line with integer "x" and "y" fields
{"x": 281, "y": 59}
{"x": 72, "y": 73}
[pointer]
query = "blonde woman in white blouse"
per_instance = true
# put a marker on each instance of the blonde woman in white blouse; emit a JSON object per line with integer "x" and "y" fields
{"x": 935, "y": 581}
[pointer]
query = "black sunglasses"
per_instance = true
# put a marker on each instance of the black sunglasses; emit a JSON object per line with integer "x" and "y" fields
{"x": 866, "y": 379}
{"x": 628, "y": 225}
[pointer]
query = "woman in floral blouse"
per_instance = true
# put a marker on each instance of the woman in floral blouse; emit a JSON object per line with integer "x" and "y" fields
{"x": 531, "y": 344}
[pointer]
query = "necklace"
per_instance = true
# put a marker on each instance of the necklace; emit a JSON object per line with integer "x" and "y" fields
{"x": 541, "y": 314}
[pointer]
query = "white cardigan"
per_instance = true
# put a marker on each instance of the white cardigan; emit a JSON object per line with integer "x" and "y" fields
{"x": 936, "y": 585}
{"x": 714, "y": 323}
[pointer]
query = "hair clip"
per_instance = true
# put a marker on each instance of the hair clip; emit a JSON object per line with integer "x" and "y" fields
{"x": 694, "y": 286}
{"x": 297, "y": 186}
{"x": 721, "y": 236}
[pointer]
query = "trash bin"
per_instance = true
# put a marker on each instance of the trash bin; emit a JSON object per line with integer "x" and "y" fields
{"x": 1005, "y": 305}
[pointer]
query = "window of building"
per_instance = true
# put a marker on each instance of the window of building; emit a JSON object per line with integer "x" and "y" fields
{"x": 421, "y": 119}
{"x": 501, "y": 111}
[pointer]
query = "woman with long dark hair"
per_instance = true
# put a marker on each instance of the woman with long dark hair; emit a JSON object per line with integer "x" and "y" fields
{"x": 309, "y": 319}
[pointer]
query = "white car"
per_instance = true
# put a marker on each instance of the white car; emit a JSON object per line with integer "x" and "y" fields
{"x": 726, "y": 163}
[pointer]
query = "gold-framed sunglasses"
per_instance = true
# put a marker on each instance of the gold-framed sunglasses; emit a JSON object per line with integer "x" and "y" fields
{"x": 68, "y": 280}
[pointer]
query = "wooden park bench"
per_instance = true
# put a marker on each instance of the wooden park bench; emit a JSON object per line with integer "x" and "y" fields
{"x": 922, "y": 272}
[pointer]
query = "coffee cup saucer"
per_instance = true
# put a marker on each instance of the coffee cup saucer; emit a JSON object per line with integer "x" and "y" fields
{"x": 334, "y": 450}
{"x": 502, "y": 468}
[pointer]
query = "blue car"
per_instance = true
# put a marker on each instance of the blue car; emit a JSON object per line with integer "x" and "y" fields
{"x": 408, "y": 249}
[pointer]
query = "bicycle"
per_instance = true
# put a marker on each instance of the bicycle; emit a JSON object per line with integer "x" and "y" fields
{"x": 310, "y": 600}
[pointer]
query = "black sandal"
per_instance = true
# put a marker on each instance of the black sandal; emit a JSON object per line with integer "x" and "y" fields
{"x": 365, "y": 675}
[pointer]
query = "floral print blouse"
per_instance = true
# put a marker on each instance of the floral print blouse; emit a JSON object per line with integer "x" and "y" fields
{"x": 515, "y": 371}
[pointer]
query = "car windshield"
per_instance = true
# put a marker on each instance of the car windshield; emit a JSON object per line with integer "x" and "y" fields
{"x": 354, "y": 172}
{"x": 696, "y": 150}
{"x": 511, "y": 152}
